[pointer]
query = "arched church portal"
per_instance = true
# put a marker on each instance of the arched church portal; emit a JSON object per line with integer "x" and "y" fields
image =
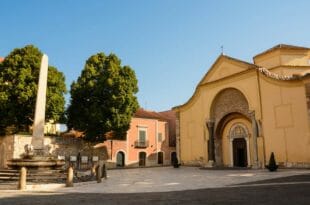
{"x": 229, "y": 104}
{"x": 239, "y": 146}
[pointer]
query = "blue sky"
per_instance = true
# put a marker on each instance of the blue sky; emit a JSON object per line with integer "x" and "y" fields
{"x": 170, "y": 44}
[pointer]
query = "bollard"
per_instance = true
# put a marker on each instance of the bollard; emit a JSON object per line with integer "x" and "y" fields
{"x": 104, "y": 171}
{"x": 70, "y": 177}
{"x": 93, "y": 170}
{"x": 22, "y": 178}
{"x": 99, "y": 174}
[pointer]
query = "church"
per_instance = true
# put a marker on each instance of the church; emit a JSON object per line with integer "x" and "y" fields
{"x": 241, "y": 112}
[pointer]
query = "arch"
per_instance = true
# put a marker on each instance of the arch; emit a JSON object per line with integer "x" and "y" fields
{"x": 239, "y": 145}
{"x": 228, "y": 104}
{"x": 227, "y": 101}
{"x": 218, "y": 134}
{"x": 120, "y": 159}
{"x": 142, "y": 159}
{"x": 238, "y": 130}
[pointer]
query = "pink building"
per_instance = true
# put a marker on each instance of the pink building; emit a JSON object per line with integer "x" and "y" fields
{"x": 150, "y": 141}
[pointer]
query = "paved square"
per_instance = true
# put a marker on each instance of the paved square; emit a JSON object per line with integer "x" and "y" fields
{"x": 165, "y": 179}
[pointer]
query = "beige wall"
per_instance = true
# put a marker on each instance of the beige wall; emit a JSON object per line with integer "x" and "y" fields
{"x": 193, "y": 131}
{"x": 285, "y": 121}
{"x": 280, "y": 108}
{"x": 269, "y": 60}
{"x": 284, "y": 61}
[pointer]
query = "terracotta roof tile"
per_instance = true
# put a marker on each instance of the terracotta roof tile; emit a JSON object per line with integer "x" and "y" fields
{"x": 141, "y": 113}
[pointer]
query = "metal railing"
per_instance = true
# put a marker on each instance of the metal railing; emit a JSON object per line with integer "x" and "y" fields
{"x": 141, "y": 144}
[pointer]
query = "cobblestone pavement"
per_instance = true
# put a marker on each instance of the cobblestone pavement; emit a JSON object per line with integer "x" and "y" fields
{"x": 186, "y": 185}
{"x": 170, "y": 179}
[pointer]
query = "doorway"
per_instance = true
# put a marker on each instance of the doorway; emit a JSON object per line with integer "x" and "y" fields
{"x": 173, "y": 158}
{"x": 142, "y": 159}
{"x": 120, "y": 159}
{"x": 240, "y": 152}
{"x": 160, "y": 159}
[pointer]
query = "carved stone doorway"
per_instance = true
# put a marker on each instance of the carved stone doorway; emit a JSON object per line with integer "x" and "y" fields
{"x": 240, "y": 152}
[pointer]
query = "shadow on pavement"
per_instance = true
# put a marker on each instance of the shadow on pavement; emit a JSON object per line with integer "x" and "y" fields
{"x": 269, "y": 195}
{"x": 296, "y": 178}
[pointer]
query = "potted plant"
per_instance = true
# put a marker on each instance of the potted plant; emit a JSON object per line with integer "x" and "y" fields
{"x": 272, "y": 166}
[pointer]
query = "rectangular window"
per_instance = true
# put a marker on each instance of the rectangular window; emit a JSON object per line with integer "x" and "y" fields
{"x": 142, "y": 136}
{"x": 160, "y": 137}
{"x": 142, "y": 139}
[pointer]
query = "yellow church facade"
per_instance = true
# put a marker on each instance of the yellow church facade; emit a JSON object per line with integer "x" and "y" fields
{"x": 241, "y": 112}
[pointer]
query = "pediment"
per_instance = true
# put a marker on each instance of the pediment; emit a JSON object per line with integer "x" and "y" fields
{"x": 223, "y": 67}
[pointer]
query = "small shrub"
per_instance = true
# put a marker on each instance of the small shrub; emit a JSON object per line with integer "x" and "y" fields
{"x": 272, "y": 166}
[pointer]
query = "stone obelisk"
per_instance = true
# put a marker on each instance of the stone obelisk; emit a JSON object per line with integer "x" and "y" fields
{"x": 39, "y": 117}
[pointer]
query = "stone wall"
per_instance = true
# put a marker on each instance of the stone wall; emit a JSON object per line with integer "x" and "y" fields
{"x": 62, "y": 147}
{"x": 6, "y": 149}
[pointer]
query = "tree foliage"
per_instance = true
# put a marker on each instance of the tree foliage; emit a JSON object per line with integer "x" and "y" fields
{"x": 103, "y": 98}
{"x": 19, "y": 75}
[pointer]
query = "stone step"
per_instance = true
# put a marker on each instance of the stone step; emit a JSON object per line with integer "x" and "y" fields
{"x": 30, "y": 179}
{"x": 34, "y": 175}
{"x": 8, "y": 170}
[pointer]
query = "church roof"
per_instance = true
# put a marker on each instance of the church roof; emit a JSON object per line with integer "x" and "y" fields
{"x": 262, "y": 70}
{"x": 281, "y": 46}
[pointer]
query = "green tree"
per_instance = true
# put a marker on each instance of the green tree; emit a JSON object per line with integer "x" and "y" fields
{"x": 19, "y": 74}
{"x": 103, "y": 98}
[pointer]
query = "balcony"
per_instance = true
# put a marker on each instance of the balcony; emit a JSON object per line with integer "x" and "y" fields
{"x": 141, "y": 144}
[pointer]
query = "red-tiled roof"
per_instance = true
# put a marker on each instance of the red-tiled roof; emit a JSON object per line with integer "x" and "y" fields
{"x": 141, "y": 113}
{"x": 168, "y": 116}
